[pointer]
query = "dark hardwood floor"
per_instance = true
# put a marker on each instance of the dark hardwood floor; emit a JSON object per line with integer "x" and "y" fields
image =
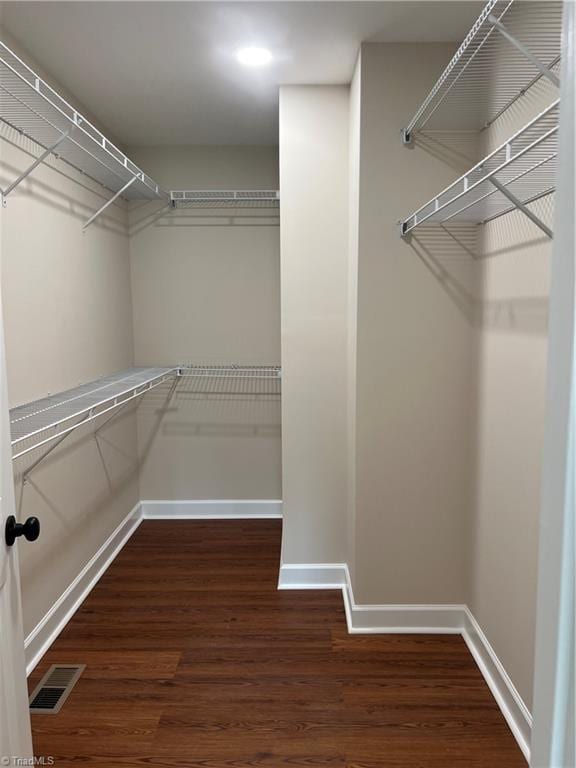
{"x": 195, "y": 659}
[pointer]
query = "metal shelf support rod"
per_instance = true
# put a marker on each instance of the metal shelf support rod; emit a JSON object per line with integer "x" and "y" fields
{"x": 542, "y": 68}
{"x": 46, "y": 453}
{"x": 109, "y": 202}
{"x": 520, "y": 205}
{"x": 35, "y": 164}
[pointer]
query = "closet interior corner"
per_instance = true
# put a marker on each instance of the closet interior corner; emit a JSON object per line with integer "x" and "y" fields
{"x": 284, "y": 330}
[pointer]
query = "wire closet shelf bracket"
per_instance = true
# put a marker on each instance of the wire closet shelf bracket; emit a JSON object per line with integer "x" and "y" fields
{"x": 35, "y": 110}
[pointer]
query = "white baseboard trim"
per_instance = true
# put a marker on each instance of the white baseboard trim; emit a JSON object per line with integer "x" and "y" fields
{"x": 399, "y": 619}
{"x": 50, "y": 626}
{"x": 312, "y": 576}
{"x": 207, "y": 509}
{"x": 419, "y": 619}
{"x": 507, "y": 697}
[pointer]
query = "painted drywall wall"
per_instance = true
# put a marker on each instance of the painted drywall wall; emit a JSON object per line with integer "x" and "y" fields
{"x": 513, "y": 278}
{"x": 314, "y": 284}
{"x": 68, "y": 319}
{"x": 206, "y": 289}
{"x": 354, "y": 144}
{"x": 414, "y": 356}
{"x": 451, "y": 360}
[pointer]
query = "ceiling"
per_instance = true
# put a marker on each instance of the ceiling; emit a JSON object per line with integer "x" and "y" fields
{"x": 166, "y": 73}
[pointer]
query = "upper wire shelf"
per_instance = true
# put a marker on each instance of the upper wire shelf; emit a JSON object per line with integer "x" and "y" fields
{"x": 30, "y": 106}
{"x": 244, "y": 198}
{"x": 510, "y": 47}
{"x": 43, "y": 421}
{"x": 519, "y": 172}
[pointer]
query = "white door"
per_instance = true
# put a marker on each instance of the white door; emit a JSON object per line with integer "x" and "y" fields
{"x": 15, "y": 735}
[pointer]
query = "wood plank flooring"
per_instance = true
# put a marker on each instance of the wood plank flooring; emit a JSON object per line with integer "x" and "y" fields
{"x": 195, "y": 659}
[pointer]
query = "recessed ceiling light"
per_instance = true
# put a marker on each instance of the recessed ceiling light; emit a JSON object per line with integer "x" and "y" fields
{"x": 254, "y": 57}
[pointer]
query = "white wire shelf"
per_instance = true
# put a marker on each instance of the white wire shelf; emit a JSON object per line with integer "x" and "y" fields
{"x": 519, "y": 172}
{"x": 219, "y": 198}
{"x": 34, "y": 109}
{"x": 494, "y": 67}
{"x": 231, "y": 380}
{"x": 43, "y": 421}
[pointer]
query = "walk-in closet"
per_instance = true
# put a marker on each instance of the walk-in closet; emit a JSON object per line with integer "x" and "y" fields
{"x": 287, "y": 346}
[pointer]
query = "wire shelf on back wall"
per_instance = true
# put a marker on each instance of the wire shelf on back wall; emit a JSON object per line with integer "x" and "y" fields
{"x": 219, "y": 198}
{"x": 494, "y": 66}
{"x": 30, "y": 106}
{"x": 231, "y": 380}
{"x": 519, "y": 172}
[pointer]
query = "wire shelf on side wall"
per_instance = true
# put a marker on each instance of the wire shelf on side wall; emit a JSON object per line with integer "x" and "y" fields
{"x": 34, "y": 109}
{"x": 489, "y": 72}
{"x": 519, "y": 172}
{"x": 42, "y": 421}
{"x": 222, "y": 198}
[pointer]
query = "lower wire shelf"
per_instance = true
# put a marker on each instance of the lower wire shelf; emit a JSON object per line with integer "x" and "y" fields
{"x": 517, "y": 173}
{"x": 42, "y": 422}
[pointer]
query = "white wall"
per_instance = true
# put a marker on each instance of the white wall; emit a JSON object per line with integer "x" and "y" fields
{"x": 68, "y": 319}
{"x": 414, "y": 358}
{"x": 450, "y": 364}
{"x": 206, "y": 289}
{"x": 314, "y": 245}
{"x": 513, "y": 278}
{"x": 354, "y": 136}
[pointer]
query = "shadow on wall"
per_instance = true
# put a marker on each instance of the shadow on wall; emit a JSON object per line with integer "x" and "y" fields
{"x": 459, "y": 257}
{"x": 188, "y": 412}
{"x": 85, "y": 485}
{"x": 159, "y": 214}
{"x": 78, "y": 206}
{"x": 209, "y": 445}
{"x": 457, "y": 149}
{"x": 449, "y": 254}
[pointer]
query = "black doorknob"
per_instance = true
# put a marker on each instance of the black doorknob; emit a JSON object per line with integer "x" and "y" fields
{"x": 30, "y": 529}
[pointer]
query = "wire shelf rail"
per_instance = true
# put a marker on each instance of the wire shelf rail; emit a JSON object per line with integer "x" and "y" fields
{"x": 43, "y": 421}
{"x": 247, "y": 198}
{"x": 511, "y": 46}
{"x": 30, "y": 106}
{"x": 519, "y": 172}
{"x": 231, "y": 380}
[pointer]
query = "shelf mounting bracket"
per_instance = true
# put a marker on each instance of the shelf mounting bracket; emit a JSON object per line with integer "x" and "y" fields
{"x": 522, "y": 207}
{"x": 109, "y": 202}
{"x": 542, "y": 68}
{"x": 47, "y": 452}
{"x": 50, "y": 150}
